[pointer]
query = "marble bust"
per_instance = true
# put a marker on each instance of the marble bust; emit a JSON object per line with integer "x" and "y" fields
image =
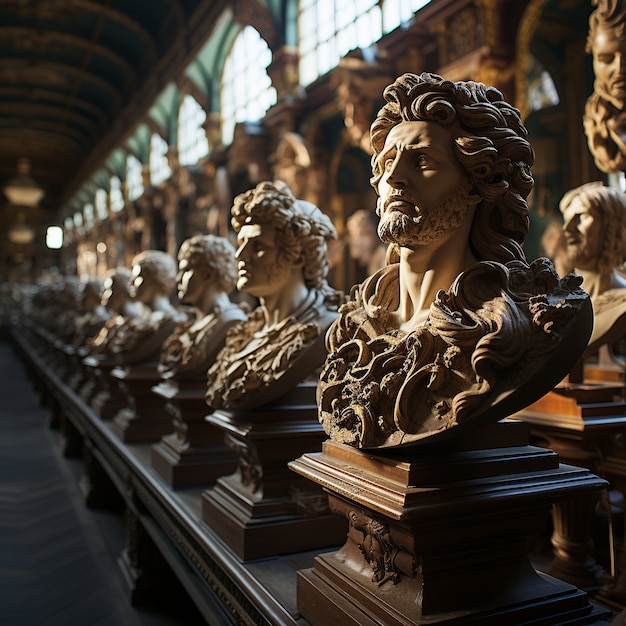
{"x": 93, "y": 314}
{"x": 207, "y": 274}
{"x": 594, "y": 227}
{"x": 282, "y": 261}
{"x": 458, "y": 328}
{"x": 605, "y": 110}
{"x": 120, "y": 306}
{"x": 152, "y": 281}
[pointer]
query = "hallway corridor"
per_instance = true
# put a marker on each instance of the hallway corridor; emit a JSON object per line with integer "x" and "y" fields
{"x": 58, "y": 559}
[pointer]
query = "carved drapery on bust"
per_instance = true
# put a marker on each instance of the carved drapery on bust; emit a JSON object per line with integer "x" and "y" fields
{"x": 494, "y": 326}
{"x": 458, "y": 329}
{"x": 206, "y": 276}
{"x": 282, "y": 261}
{"x": 605, "y": 111}
{"x": 255, "y": 357}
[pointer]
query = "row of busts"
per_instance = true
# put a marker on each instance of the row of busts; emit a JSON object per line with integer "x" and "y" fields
{"x": 249, "y": 357}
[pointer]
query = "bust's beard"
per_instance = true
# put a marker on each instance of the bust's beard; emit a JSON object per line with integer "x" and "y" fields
{"x": 420, "y": 226}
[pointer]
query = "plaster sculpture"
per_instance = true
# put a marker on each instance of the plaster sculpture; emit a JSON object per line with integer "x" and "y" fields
{"x": 93, "y": 315}
{"x": 595, "y": 235}
{"x": 458, "y": 328}
{"x": 207, "y": 274}
{"x": 152, "y": 281}
{"x": 281, "y": 261}
{"x": 116, "y": 299}
{"x": 605, "y": 110}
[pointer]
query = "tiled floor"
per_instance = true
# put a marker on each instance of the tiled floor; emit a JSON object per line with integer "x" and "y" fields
{"x": 58, "y": 559}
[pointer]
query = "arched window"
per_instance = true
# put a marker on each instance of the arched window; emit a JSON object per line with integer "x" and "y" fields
{"x": 192, "y": 141}
{"x": 100, "y": 200}
{"x": 329, "y": 29}
{"x": 68, "y": 229}
{"x": 89, "y": 215}
{"x": 159, "y": 166}
{"x": 134, "y": 177}
{"x": 116, "y": 197}
{"x": 396, "y": 12}
{"x": 247, "y": 91}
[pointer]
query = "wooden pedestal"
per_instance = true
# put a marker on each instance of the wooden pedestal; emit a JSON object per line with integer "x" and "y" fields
{"x": 438, "y": 535}
{"x": 605, "y": 368}
{"x": 194, "y": 453}
{"x": 577, "y": 420}
{"x": 75, "y": 375}
{"x": 263, "y": 509}
{"x": 144, "y": 417}
{"x": 102, "y": 391}
{"x": 91, "y": 383}
{"x": 614, "y": 374}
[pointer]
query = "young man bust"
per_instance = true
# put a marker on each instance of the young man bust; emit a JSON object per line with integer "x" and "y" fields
{"x": 594, "y": 226}
{"x": 282, "y": 261}
{"x": 206, "y": 276}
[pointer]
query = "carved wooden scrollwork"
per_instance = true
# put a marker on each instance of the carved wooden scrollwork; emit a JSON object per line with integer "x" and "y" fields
{"x": 387, "y": 559}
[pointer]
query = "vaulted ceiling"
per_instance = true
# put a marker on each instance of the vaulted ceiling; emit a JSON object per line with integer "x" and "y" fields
{"x": 77, "y": 75}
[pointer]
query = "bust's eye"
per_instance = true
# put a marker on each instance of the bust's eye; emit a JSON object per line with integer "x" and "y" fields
{"x": 607, "y": 58}
{"x": 423, "y": 160}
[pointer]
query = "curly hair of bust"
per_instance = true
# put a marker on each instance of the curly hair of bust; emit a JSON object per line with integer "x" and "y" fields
{"x": 490, "y": 143}
{"x": 119, "y": 277}
{"x": 215, "y": 255}
{"x": 610, "y": 203}
{"x": 302, "y": 229}
{"x": 609, "y": 15}
{"x": 159, "y": 266}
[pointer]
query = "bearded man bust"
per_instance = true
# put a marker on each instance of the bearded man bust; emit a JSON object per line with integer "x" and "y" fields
{"x": 458, "y": 327}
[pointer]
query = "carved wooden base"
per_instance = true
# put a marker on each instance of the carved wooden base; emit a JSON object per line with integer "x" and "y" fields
{"x": 574, "y": 550}
{"x": 92, "y": 378}
{"x": 270, "y": 527}
{"x": 195, "y": 453}
{"x": 102, "y": 391}
{"x": 577, "y": 420}
{"x": 75, "y": 375}
{"x": 438, "y": 535}
{"x": 140, "y": 562}
{"x": 572, "y": 405}
{"x": 263, "y": 509}
{"x": 607, "y": 374}
{"x": 144, "y": 417}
